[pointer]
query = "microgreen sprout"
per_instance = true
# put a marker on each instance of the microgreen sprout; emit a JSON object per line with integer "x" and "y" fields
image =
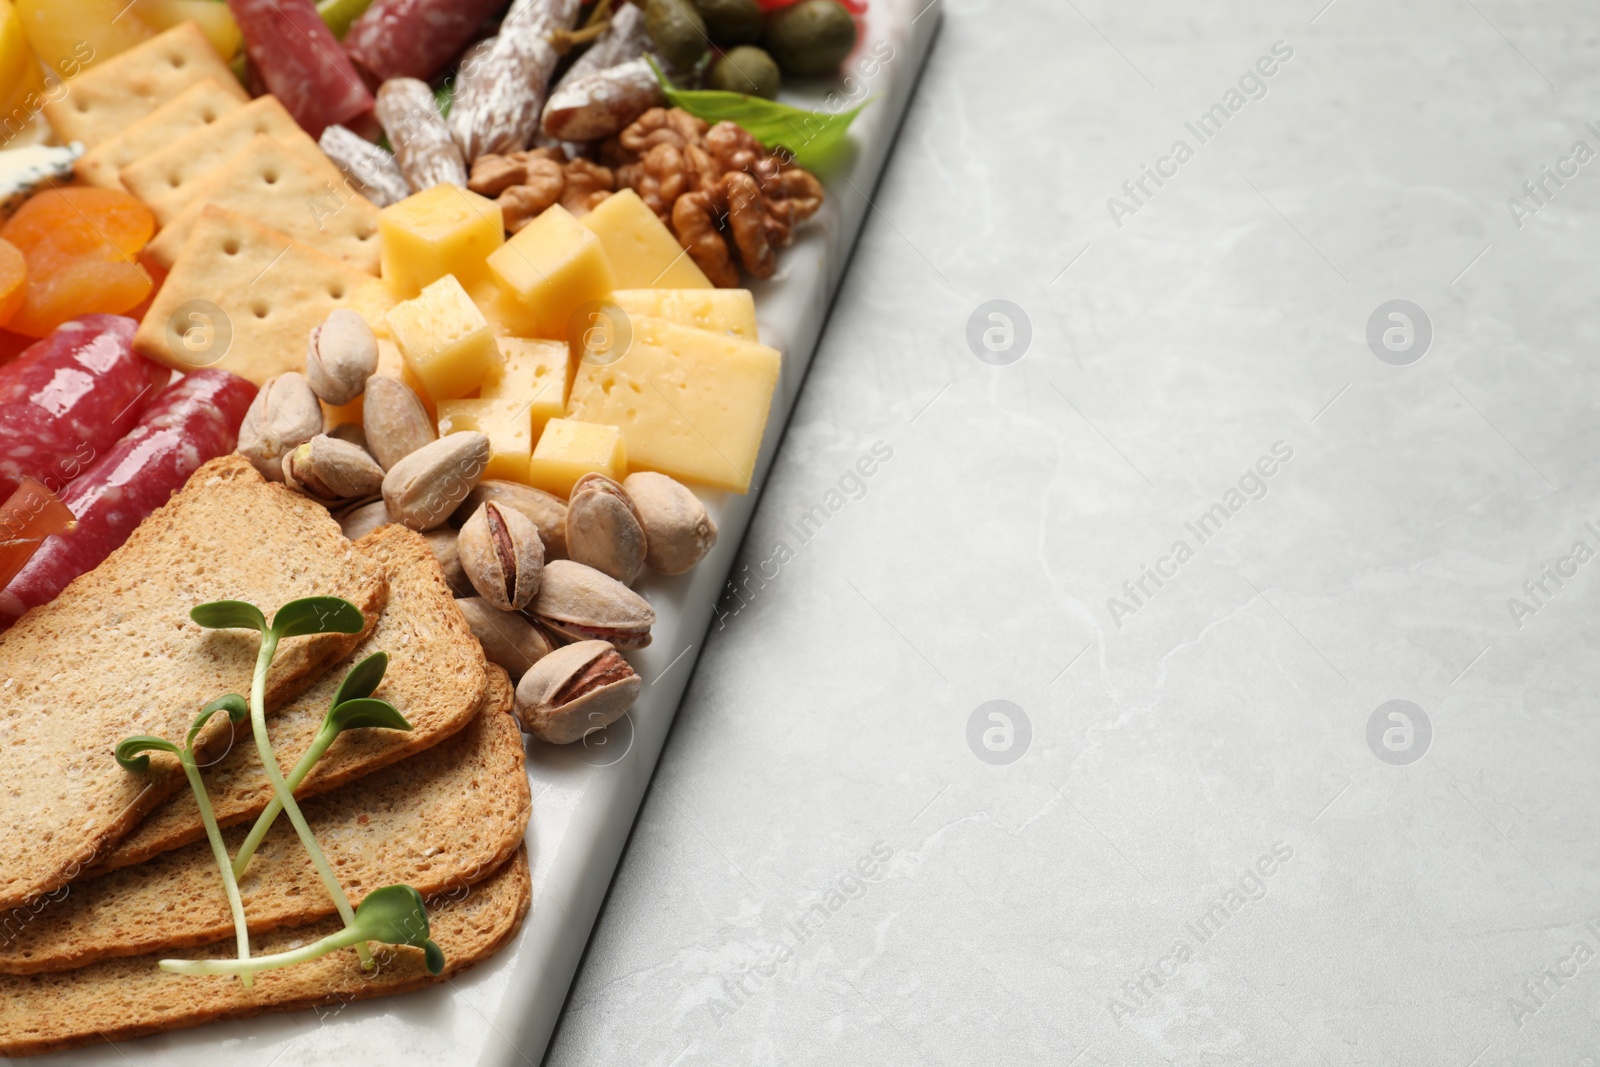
{"x": 298, "y": 618}
{"x": 393, "y": 915}
{"x": 133, "y": 754}
{"x": 353, "y": 708}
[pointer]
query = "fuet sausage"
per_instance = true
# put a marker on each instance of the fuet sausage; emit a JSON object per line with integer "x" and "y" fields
{"x": 194, "y": 420}
{"x": 501, "y": 87}
{"x": 68, "y": 398}
{"x": 414, "y": 38}
{"x": 374, "y": 171}
{"x": 303, "y": 64}
{"x": 422, "y": 144}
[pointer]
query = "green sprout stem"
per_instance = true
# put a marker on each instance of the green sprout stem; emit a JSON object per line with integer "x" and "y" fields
{"x": 269, "y": 761}
{"x": 345, "y": 938}
{"x": 258, "y": 832}
{"x": 220, "y": 852}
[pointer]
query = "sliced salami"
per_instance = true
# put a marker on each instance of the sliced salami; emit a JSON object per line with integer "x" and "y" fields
{"x": 423, "y": 147}
{"x": 414, "y": 38}
{"x": 501, "y": 87}
{"x": 303, "y": 64}
{"x": 192, "y": 421}
{"x": 68, "y": 398}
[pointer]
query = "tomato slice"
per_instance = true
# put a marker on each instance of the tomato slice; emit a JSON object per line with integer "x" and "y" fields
{"x": 32, "y": 514}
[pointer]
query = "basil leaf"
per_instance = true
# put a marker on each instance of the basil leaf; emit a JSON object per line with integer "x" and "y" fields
{"x": 229, "y": 615}
{"x": 811, "y": 137}
{"x": 366, "y": 712}
{"x": 362, "y": 679}
{"x": 318, "y": 615}
{"x": 128, "y": 750}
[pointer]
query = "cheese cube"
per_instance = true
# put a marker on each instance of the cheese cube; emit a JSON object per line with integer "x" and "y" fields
{"x": 445, "y": 340}
{"x": 691, "y": 403}
{"x": 731, "y": 311}
{"x": 552, "y": 266}
{"x": 536, "y": 374}
{"x": 569, "y": 449}
{"x": 640, "y": 248}
{"x": 504, "y": 422}
{"x": 441, "y": 230}
{"x": 507, "y": 317}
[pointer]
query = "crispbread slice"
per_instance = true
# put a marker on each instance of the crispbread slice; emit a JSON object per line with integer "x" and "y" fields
{"x": 116, "y": 655}
{"x": 271, "y": 289}
{"x": 128, "y": 998}
{"x": 111, "y": 96}
{"x": 195, "y": 109}
{"x": 166, "y": 178}
{"x": 436, "y": 679}
{"x": 441, "y": 820}
{"x": 306, "y": 198}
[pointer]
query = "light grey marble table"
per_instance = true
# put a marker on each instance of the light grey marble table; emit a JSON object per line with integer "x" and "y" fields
{"x": 1202, "y": 510}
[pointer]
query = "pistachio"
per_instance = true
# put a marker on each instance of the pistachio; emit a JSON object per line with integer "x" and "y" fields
{"x": 442, "y": 542}
{"x": 581, "y": 603}
{"x": 284, "y": 415}
{"x": 422, "y": 489}
{"x": 330, "y": 470}
{"x": 349, "y": 431}
{"x": 548, "y": 511}
{"x": 395, "y": 422}
{"x": 502, "y": 555}
{"x": 678, "y": 531}
{"x": 507, "y": 637}
{"x": 575, "y": 690}
{"x": 603, "y": 529}
{"x": 340, "y": 356}
{"x": 358, "y": 522}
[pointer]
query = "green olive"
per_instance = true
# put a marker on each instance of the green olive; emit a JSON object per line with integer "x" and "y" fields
{"x": 811, "y": 37}
{"x": 678, "y": 31}
{"x": 732, "y": 21}
{"x": 746, "y": 69}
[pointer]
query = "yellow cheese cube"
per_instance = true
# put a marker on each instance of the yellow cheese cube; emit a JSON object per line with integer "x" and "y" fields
{"x": 441, "y": 230}
{"x": 731, "y": 311}
{"x": 536, "y": 374}
{"x": 504, "y": 422}
{"x": 569, "y": 449}
{"x": 641, "y": 249}
{"x": 691, "y": 403}
{"x": 552, "y": 266}
{"x": 507, "y": 317}
{"x": 445, "y": 340}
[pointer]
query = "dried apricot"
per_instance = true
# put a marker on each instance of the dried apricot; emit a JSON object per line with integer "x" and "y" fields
{"x": 80, "y": 220}
{"x": 13, "y": 280}
{"x": 26, "y": 519}
{"x": 80, "y": 287}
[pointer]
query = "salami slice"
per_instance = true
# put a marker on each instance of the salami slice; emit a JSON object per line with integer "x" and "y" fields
{"x": 501, "y": 87}
{"x": 192, "y": 421}
{"x": 414, "y": 38}
{"x": 68, "y": 398}
{"x": 303, "y": 64}
{"x": 423, "y": 147}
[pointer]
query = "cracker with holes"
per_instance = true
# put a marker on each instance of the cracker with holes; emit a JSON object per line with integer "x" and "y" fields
{"x": 269, "y": 289}
{"x": 165, "y": 179}
{"x": 106, "y": 99}
{"x": 311, "y": 201}
{"x": 196, "y": 108}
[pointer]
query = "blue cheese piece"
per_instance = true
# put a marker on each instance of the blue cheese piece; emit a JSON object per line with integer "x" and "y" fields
{"x": 24, "y": 170}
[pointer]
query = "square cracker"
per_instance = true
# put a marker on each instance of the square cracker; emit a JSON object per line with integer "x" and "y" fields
{"x": 196, "y": 108}
{"x": 269, "y": 289}
{"x": 106, "y": 99}
{"x": 310, "y": 200}
{"x": 166, "y": 178}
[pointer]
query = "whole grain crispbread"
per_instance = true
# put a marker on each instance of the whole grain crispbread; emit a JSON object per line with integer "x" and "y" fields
{"x": 116, "y": 655}
{"x": 439, "y": 821}
{"x": 128, "y": 998}
{"x": 436, "y": 679}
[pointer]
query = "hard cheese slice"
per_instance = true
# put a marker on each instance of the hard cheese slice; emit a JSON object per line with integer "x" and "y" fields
{"x": 166, "y": 179}
{"x": 730, "y": 311}
{"x": 642, "y": 251}
{"x": 106, "y": 99}
{"x": 197, "y": 107}
{"x": 254, "y": 294}
{"x": 690, "y": 403}
{"x": 311, "y": 202}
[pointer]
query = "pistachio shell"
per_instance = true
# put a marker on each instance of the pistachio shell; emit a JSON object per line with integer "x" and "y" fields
{"x": 575, "y": 690}
{"x": 548, "y": 511}
{"x": 581, "y": 603}
{"x": 678, "y": 530}
{"x": 507, "y": 638}
{"x": 603, "y": 530}
{"x": 502, "y": 555}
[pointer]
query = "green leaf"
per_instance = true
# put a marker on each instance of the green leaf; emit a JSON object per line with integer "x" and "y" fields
{"x": 318, "y": 615}
{"x": 128, "y": 750}
{"x": 232, "y": 703}
{"x": 362, "y": 679}
{"x": 396, "y": 915}
{"x": 365, "y": 712}
{"x": 811, "y": 137}
{"x": 229, "y": 615}
{"x": 339, "y": 14}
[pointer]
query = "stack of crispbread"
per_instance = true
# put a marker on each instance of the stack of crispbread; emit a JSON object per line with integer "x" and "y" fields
{"x": 108, "y": 870}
